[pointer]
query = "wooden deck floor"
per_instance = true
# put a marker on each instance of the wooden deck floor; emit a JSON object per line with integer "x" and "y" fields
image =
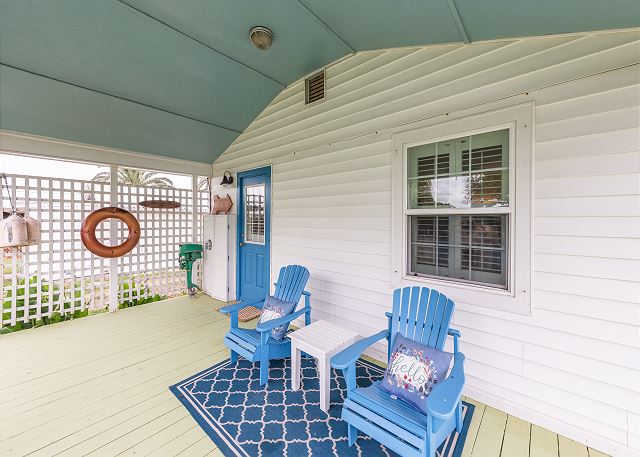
{"x": 99, "y": 386}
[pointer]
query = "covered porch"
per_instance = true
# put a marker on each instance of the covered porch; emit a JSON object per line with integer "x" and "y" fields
{"x": 462, "y": 174}
{"x": 107, "y": 395}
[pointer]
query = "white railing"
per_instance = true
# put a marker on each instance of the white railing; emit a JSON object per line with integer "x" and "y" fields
{"x": 60, "y": 277}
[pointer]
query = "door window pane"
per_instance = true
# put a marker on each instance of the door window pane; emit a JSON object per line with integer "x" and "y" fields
{"x": 254, "y": 212}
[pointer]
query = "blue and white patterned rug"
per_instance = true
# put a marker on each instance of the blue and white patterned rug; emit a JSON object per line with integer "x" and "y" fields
{"x": 246, "y": 419}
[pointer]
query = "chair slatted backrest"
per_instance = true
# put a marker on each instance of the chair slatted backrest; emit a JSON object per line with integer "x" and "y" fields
{"x": 291, "y": 283}
{"x": 422, "y": 315}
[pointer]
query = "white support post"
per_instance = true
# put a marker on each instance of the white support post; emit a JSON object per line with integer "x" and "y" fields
{"x": 113, "y": 235}
{"x": 194, "y": 208}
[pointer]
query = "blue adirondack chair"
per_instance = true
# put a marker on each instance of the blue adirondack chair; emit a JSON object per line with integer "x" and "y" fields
{"x": 257, "y": 345}
{"x": 424, "y": 316}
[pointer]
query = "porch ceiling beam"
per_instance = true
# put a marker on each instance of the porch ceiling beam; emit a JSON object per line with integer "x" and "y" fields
{"x": 51, "y": 148}
{"x": 458, "y": 19}
{"x": 206, "y": 45}
{"x": 173, "y": 113}
{"x": 325, "y": 25}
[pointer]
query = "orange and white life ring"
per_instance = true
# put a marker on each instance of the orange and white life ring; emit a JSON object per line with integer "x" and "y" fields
{"x": 88, "y": 232}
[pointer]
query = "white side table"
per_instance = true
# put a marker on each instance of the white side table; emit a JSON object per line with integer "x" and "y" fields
{"x": 321, "y": 339}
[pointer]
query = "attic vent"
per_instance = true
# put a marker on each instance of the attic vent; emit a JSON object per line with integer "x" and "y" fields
{"x": 314, "y": 88}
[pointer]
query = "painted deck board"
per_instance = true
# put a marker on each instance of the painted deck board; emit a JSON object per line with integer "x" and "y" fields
{"x": 517, "y": 436}
{"x": 201, "y": 447}
{"x": 181, "y": 442}
{"x": 102, "y": 389}
{"x": 490, "y": 434}
{"x": 544, "y": 443}
{"x": 569, "y": 448}
{"x": 474, "y": 427}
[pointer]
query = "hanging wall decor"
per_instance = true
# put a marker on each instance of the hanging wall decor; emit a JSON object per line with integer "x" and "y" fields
{"x": 18, "y": 228}
{"x": 160, "y": 204}
{"x": 88, "y": 232}
{"x": 221, "y": 205}
{"x": 13, "y": 232}
{"x": 33, "y": 230}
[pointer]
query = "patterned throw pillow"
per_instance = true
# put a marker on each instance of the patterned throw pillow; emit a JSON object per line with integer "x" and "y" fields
{"x": 274, "y": 309}
{"x": 414, "y": 370}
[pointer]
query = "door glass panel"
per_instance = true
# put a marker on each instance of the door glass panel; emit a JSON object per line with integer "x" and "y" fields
{"x": 254, "y": 207}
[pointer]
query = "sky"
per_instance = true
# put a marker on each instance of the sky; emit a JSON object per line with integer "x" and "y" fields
{"x": 21, "y": 165}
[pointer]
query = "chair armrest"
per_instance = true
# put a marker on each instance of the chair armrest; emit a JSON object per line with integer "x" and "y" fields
{"x": 455, "y": 333}
{"x": 238, "y": 306}
{"x": 307, "y": 305}
{"x": 273, "y": 323}
{"x": 348, "y": 356}
{"x": 443, "y": 400}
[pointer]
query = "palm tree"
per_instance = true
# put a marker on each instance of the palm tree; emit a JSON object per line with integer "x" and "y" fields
{"x": 135, "y": 177}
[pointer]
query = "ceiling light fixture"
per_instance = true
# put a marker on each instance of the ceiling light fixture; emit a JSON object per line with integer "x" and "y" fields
{"x": 261, "y": 37}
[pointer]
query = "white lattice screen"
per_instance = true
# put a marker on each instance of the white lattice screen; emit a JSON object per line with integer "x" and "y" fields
{"x": 152, "y": 267}
{"x": 64, "y": 276}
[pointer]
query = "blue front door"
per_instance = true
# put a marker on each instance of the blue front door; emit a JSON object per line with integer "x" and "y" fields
{"x": 254, "y": 227}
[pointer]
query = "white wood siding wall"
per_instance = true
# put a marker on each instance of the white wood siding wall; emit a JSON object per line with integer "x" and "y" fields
{"x": 574, "y": 365}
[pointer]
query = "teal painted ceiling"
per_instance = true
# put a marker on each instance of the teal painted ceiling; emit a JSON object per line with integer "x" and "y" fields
{"x": 180, "y": 78}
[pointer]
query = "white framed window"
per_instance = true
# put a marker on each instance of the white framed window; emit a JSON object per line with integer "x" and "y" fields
{"x": 462, "y": 208}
